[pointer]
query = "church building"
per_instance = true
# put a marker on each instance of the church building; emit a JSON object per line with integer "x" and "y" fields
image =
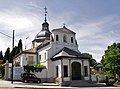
{"x": 58, "y": 51}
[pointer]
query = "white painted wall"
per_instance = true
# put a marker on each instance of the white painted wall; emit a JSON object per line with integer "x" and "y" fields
{"x": 44, "y": 52}
{"x": 16, "y": 73}
{"x": 41, "y": 74}
{"x": 66, "y": 62}
{"x": 23, "y": 59}
{"x": 61, "y": 33}
{"x": 99, "y": 76}
{"x": 86, "y": 63}
{"x": 57, "y": 63}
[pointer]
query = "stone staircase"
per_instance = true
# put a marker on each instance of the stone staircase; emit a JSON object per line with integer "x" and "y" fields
{"x": 82, "y": 83}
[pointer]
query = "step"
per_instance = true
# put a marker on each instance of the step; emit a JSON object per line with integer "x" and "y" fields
{"x": 82, "y": 83}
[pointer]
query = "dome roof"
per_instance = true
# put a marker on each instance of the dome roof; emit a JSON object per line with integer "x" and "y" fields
{"x": 43, "y": 34}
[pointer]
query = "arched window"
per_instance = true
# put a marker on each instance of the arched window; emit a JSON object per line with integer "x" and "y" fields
{"x": 71, "y": 39}
{"x": 64, "y": 38}
{"x": 57, "y": 38}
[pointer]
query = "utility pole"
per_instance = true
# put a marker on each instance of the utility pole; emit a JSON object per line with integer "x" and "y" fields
{"x": 12, "y": 58}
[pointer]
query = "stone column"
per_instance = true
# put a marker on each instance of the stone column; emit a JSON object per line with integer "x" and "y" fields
{"x": 83, "y": 74}
{"x": 70, "y": 72}
{"x": 6, "y": 77}
{"x": 62, "y": 70}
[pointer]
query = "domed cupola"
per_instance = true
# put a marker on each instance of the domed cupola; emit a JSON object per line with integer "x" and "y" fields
{"x": 44, "y": 34}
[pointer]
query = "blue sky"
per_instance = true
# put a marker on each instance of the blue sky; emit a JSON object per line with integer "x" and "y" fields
{"x": 96, "y": 22}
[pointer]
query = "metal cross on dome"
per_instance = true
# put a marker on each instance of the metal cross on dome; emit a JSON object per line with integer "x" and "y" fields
{"x": 45, "y": 10}
{"x": 64, "y": 25}
{"x": 45, "y": 13}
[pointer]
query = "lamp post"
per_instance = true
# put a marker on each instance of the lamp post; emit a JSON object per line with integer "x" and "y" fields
{"x": 12, "y": 58}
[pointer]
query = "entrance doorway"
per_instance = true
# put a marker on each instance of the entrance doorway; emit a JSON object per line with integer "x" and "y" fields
{"x": 76, "y": 71}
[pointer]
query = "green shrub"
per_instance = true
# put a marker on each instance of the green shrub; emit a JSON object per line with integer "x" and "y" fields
{"x": 39, "y": 66}
{"x": 2, "y": 70}
{"x": 34, "y": 68}
{"x": 109, "y": 79}
{"x": 109, "y": 76}
{"x": 29, "y": 68}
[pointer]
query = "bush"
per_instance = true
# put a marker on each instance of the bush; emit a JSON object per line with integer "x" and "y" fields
{"x": 34, "y": 68}
{"x": 2, "y": 70}
{"x": 109, "y": 79}
{"x": 39, "y": 66}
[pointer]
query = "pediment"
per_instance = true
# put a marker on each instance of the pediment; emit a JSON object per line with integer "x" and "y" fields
{"x": 64, "y": 30}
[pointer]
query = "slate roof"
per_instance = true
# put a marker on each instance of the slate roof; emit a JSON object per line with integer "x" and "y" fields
{"x": 68, "y": 53}
{"x": 44, "y": 43}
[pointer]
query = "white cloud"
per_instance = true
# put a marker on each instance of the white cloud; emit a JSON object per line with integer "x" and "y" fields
{"x": 95, "y": 36}
{"x": 26, "y": 18}
{"x": 27, "y": 24}
{"x": 15, "y": 21}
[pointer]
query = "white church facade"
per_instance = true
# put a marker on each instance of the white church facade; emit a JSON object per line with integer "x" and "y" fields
{"x": 58, "y": 51}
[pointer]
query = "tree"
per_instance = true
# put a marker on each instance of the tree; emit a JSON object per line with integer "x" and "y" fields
{"x": 7, "y": 55}
{"x": 1, "y": 55}
{"x": 17, "y": 49}
{"x": 111, "y": 59}
{"x": 93, "y": 62}
{"x": 20, "y": 45}
{"x": 2, "y": 70}
{"x": 12, "y": 54}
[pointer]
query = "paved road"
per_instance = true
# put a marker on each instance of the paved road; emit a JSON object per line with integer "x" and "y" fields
{"x": 19, "y": 85}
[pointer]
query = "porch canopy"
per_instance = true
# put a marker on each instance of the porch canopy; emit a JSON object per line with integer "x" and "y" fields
{"x": 68, "y": 53}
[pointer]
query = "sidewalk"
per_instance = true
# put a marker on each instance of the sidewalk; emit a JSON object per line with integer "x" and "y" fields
{"x": 35, "y": 85}
{"x": 7, "y": 84}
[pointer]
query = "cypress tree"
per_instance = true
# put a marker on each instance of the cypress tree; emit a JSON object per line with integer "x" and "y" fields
{"x": 7, "y": 55}
{"x": 1, "y": 55}
{"x": 20, "y": 45}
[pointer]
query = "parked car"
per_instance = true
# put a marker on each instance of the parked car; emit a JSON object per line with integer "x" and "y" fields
{"x": 29, "y": 77}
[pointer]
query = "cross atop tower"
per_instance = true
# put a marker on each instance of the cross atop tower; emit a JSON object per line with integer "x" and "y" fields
{"x": 64, "y": 25}
{"x": 45, "y": 13}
